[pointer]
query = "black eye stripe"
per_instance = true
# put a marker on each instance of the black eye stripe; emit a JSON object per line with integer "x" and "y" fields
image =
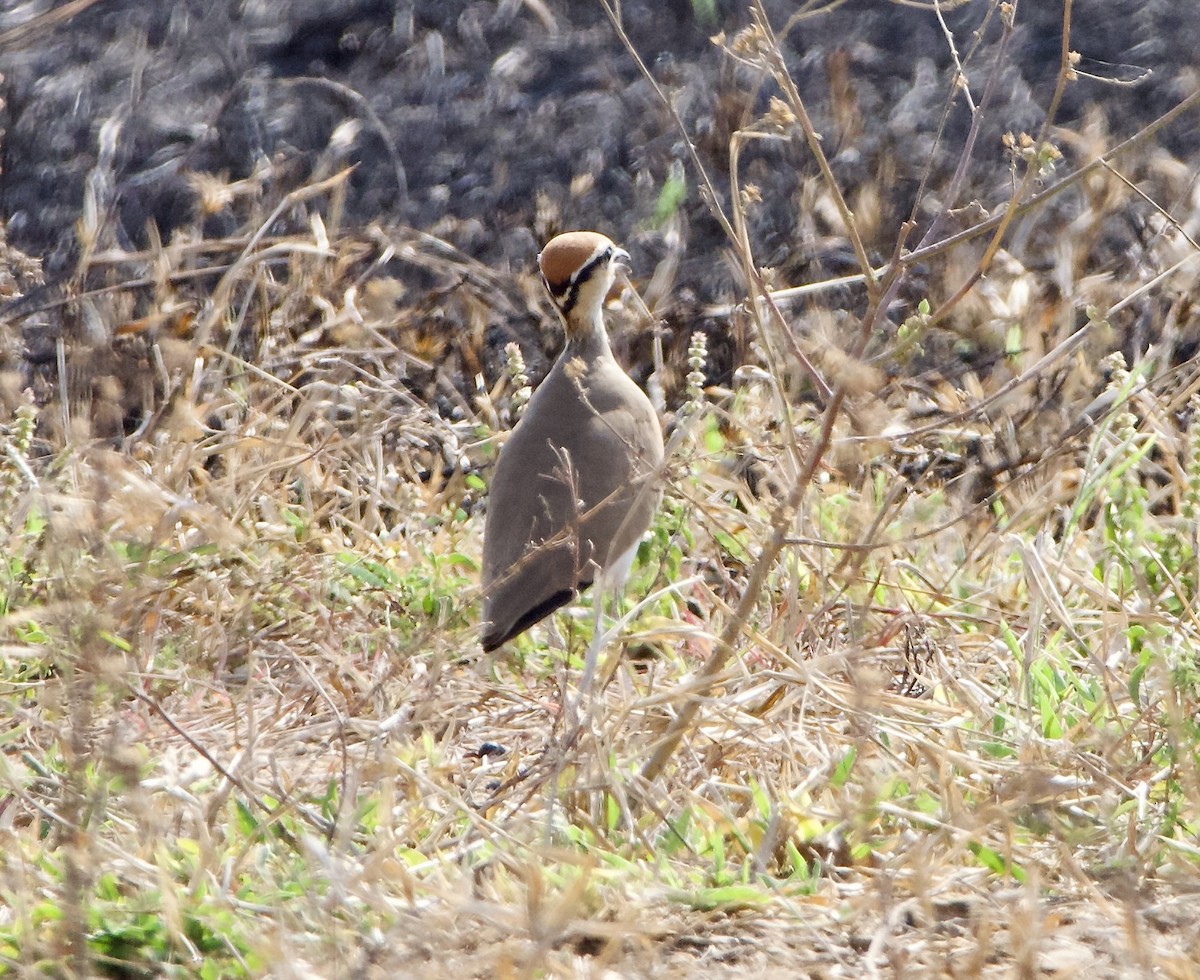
{"x": 569, "y": 293}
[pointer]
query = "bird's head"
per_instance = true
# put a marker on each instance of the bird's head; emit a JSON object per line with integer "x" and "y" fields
{"x": 579, "y": 269}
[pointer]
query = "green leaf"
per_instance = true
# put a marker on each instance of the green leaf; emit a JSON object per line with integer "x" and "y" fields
{"x": 844, "y": 766}
{"x": 705, "y": 12}
{"x": 1014, "y": 340}
{"x": 991, "y": 860}
{"x": 113, "y": 640}
{"x": 672, "y": 195}
{"x": 245, "y": 820}
{"x": 724, "y": 897}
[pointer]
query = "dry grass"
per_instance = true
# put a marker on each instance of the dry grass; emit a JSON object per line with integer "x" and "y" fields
{"x": 918, "y": 672}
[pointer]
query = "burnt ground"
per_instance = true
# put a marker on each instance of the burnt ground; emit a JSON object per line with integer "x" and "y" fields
{"x": 492, "y": 125}
{"x": 262, "y": 341}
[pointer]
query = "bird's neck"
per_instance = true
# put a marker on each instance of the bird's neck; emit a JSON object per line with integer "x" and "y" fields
{"x": 586, "y": 336}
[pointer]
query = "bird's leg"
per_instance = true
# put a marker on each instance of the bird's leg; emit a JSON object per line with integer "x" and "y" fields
{"x": 608, "y": 586}
{"x": 583, "y": 698}
{"x": 592, "y": 657}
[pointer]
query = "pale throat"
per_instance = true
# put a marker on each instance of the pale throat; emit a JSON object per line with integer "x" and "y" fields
{"x": 586, "y": 335}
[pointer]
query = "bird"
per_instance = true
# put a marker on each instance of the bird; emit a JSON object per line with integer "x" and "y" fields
{"x": 575, "y": 484}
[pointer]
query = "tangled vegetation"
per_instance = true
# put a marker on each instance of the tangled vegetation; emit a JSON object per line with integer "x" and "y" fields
{"x": 907, "y": 676}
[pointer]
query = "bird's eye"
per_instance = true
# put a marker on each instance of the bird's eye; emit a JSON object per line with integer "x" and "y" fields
{"x": 608, "y": 253}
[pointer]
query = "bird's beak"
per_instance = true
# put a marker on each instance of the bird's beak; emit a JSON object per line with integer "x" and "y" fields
{"x": 621, "y": 261}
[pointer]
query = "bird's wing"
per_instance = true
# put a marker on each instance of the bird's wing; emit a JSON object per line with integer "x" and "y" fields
{"x": 567, "y": 496}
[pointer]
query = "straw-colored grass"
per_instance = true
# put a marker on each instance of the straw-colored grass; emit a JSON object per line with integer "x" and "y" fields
{"x": 908, "y": 682}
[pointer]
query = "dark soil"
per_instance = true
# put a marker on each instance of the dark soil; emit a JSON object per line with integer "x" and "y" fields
{"x": 493, "y": 125}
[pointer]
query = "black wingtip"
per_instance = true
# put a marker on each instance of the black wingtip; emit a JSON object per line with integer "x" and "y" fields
{"x": 493, "y": 639}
